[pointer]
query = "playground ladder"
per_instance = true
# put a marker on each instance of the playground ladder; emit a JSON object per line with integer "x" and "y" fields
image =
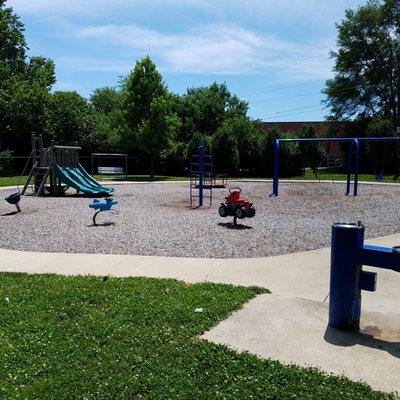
{"x": 31, "y": 174}
{"x": 40, "y": 179}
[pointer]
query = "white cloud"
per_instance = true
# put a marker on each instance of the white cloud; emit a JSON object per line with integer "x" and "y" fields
{"x": 216, "y": 48}
{"x": 287, "y": 10}
{"x": 71, "y": 63}
{"x": 220, "y": 49}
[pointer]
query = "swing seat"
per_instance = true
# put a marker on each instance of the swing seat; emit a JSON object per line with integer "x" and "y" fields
{"x": 13, "y": 198}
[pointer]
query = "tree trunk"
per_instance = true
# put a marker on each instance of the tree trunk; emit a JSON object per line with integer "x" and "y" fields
{"x": 151, "y": 168}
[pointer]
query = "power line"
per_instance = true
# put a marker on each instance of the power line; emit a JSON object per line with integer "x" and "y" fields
{"x": 283, "y": 87}
{"x": 178, "y": 85}
{"x": 281, "y": 116}
{"x": 283, "y": 98}
{"x": 286, "y": 111}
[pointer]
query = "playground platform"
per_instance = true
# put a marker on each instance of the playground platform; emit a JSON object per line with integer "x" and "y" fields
{"x": 289, "y": 325}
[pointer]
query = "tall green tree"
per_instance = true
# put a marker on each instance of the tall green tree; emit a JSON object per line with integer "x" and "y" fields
{"x": 367, "y": 64}
{"x": 236, "y": 145}
{"x": 149, "y": 111}
{"x": 70, "y": 120}
{"x": 13, "y": 46}
{"x": 205, "y": 109}
{"x": 25, "y": 85}
{"x": 111, "y": 126}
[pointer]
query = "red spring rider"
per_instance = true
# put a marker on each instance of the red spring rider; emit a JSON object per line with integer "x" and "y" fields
{"x": 236, "y": 207}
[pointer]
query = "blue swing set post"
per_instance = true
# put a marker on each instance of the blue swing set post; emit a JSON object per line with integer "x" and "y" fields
{"x": 354, "y": 146}
{"x": 275, "y": 188}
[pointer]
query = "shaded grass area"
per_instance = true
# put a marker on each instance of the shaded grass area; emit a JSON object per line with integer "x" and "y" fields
{"x": 94, "y": 338}
{"x": 141, "y": 178}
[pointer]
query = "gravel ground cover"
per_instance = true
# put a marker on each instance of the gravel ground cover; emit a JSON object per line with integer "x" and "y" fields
{"x": 155, "y": 219}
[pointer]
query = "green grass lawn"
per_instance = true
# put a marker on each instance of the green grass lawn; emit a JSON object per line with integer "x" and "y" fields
{"x": 11, "y": 181}
{"x": 322, "y": 175}
{"x": 137, "y": 338}
{"x": 329, "y": 175}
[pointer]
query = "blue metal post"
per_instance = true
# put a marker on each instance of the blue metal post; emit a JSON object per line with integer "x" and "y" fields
{"x": 349, "y": 165}
{"x": 347, "y": 279}
{"x": 356, "y": 165}
{"x": 345, "y": 294}
{"x": 201, "y": 174}
{"x": 276, "y": 168}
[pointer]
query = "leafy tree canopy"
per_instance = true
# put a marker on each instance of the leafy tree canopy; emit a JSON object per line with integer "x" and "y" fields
{"x": 367, "y": 64}
{"x": 25, "y": 85}
{"x": 204, "y": 109}
{"x": 12, "y": 42}
{"x": 149, "y": 110}
{"x": 69, "y": 118}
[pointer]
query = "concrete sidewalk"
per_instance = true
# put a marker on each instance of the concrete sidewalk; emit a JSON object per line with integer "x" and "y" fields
{"x": 304, "y": 275}
{"x": 295, "y": 331}
{"x": 289, "y": 325}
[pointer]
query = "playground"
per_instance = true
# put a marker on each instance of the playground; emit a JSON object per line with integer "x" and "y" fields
{"x": 155, "y": 219}
{"x": 207, "y": 229}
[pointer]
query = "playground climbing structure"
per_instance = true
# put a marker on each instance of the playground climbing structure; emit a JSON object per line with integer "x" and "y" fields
{"x": 56, "y": 168}
{"x": 201, "y": 166}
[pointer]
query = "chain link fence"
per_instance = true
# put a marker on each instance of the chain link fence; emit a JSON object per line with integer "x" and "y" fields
{"x": 13, "y": 166}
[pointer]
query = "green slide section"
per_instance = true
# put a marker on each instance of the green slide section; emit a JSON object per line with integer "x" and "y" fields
{"x": 74, "y": 178}
{"x": 84, "y": 180}
{"x": 93, "y": 181}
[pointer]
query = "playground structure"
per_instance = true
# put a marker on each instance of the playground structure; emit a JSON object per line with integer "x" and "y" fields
{"x": 352, "y": 168}
{"x": 201, "y": 172}
{"x": 347, "y": 279}
{"x": 120, "y": 170}
{"x": 216, "y": 181}
{"x": 236, "y": 207}
{"x": 56, "y": 168}
{"x": 102, "y": 206}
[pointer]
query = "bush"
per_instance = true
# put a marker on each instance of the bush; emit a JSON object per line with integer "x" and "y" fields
{"x": 382, "y": 155}
{"x": 290, "y": 160}
{"x": 311, "y": 153}
{"x": 225, "y": 152}
{"x": 6, "y": 163}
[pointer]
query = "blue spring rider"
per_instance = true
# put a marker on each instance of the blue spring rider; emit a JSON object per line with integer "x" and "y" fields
{"x": 14, "y": 199}
{"x": 102, "y": 206}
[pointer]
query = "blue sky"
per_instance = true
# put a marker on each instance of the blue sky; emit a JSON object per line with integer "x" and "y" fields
{"x": 272, "y": 53}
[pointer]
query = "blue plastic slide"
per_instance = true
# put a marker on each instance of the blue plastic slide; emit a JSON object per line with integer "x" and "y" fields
{"x": 79, "y": 179}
